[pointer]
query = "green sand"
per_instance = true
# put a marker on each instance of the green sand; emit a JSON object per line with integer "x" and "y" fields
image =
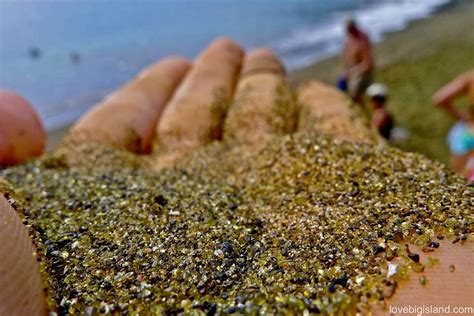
{"x": 414, "y": 63}
{"x": 306, "y": 225}
{"x": 229, "y": 232}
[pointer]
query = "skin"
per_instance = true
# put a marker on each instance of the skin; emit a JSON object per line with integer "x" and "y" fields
{"x": 22, "y": 292}
{"x": 328, "y": 111}
{"x": 251, "y": 118}
{"x": 445, "y": 97}
{"x": 337, "y": 119}
{"x": 357, "y": 56}
{"x": 194, "y": 116}
{"x": 380, "y": 116}
{"x": 443, "y": 287}
{"x": 136, "y": 107}
{"x": 22, "y": 135}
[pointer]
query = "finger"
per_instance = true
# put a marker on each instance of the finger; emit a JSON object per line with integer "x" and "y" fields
{"x": 263, "y": 103}
{"x": 20, "y": 282}
{"x": 127, "y": 118}
{"x": 194, "y": 116}
{"x": 22, "y": 135}
{"x": 328, "y": 111}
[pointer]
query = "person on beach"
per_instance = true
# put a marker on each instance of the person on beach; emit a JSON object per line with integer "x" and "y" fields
{"x": 357, "y": 60}
{"x": 381, "y": 118}
{"x": 461, "y": 136}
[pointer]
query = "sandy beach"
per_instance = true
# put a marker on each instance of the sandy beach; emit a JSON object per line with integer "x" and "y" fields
{"x": 414, "y": 63}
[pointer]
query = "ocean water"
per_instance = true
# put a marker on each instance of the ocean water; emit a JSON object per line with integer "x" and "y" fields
{"x": 114, "y": 39}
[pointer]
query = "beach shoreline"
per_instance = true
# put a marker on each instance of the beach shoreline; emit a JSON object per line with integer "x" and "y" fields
{"x": 421, "y": 39}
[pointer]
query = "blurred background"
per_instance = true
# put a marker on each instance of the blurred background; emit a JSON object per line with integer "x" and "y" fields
{"x": 64, "y": 55}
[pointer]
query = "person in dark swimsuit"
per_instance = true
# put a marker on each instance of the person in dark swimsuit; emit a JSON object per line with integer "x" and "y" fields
{"x": 381, "y": 118}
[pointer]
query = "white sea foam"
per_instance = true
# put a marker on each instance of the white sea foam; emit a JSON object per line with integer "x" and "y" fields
{"x": 313, "y": 43}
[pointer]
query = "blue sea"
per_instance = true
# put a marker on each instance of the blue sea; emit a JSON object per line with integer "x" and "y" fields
{"x": 65, "y": 55}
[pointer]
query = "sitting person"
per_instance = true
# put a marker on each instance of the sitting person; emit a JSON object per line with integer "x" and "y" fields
{"x": 381, "y": 118}
{"x": 461, "y": 136}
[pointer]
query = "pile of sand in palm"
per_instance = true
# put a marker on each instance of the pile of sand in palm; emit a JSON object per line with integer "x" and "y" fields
{"x": 307, "y": 223}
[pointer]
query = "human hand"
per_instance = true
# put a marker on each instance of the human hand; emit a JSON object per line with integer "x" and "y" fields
{"x": 189, "y": 115}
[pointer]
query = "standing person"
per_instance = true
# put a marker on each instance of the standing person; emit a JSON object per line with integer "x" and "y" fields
{"x": 358, "y": 61}
{"x": 381, "y": 118}
{"x": 461, "y": 135}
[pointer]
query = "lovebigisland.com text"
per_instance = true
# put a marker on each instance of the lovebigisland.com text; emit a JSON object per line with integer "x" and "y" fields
{"x": 430, "y": 310}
